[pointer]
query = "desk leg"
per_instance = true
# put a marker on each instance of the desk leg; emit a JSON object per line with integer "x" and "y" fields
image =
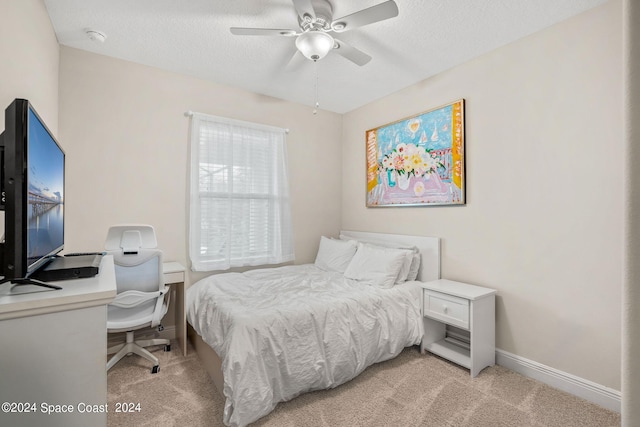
{"x": 181, "y": 317}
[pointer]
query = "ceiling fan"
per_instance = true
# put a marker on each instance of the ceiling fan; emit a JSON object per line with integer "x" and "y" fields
{"x": 315, "y": 18}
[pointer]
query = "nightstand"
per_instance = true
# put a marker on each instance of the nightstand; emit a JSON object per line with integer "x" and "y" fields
{"x": 459, "y": 323}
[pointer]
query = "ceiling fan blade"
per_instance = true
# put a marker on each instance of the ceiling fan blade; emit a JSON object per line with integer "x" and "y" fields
{"x": 238, "y": 31}
{"x": 295, "y": 61}
{"x": 379, "y": 12}
{"x": 354, "y": 55}
{"x": 304, "y": 7}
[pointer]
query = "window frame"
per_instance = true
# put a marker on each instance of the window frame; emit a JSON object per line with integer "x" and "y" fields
{"x": 277, "y": 244}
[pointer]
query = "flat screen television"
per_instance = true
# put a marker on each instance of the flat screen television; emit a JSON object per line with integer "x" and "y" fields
{"x": 33, "y": 166}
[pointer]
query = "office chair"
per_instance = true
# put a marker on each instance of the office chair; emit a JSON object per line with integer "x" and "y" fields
{"x": 140, "y": 300}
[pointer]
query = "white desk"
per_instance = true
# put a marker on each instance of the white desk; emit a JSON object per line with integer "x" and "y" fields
{"x": 52, "y": 351}
{"x": 174, "y": 276}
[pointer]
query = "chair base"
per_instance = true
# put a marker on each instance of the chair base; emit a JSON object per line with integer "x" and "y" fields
{"x": 137, "y": 347}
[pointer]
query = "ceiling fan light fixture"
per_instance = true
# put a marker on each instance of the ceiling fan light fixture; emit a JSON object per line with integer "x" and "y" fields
{"x": 314, "y": 44}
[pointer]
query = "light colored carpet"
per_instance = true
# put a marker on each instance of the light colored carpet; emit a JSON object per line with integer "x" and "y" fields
{"x": 410, "y": 390}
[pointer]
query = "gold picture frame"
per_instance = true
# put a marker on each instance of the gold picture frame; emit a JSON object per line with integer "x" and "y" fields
{"x": 418, "y": 161}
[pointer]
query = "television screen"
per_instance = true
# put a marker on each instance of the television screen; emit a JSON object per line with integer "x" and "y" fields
{"x": 32, "y": 194}
{"x": 45, "y": 193}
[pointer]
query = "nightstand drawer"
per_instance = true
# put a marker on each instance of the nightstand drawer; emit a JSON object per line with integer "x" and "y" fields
{"x": 447, "y": 308}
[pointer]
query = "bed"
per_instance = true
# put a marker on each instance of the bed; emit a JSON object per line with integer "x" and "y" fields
{"x": 267, "y": 335}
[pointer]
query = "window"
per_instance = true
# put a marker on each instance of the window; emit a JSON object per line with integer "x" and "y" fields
{"x": 240, "y": 211}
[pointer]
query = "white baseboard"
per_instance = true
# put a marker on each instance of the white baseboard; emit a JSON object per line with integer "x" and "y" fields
{"x": 588, "y": 390}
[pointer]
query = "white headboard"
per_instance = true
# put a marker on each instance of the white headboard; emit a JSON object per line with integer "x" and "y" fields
{"x": 429, "y": 249}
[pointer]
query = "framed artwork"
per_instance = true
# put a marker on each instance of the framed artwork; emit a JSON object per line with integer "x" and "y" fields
{"x": 418, "y": 161}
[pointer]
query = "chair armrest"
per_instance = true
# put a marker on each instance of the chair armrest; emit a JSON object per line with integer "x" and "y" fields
{"x": 158, "y": 312}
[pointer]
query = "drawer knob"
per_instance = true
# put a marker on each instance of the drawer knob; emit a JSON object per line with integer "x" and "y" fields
{"x": 445, "y": 309}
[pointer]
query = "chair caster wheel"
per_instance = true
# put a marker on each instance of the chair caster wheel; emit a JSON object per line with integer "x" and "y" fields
{"x": 155, "y": 369}
{"x": 167, "y": 347}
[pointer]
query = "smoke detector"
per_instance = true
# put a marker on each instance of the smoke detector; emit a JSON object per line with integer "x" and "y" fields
{"x": 95, "y": 35}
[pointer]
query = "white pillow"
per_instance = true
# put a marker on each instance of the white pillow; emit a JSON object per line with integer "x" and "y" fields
{"x": 376, "y": 265}
{"x": 406, "y": 267}
{"x": 335, "y": 255}
{"x": 415, "y": 266}
{"x": 411, "y": 264}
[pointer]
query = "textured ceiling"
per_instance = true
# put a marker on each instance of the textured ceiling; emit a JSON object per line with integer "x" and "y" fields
{"x": 192, "y": 37}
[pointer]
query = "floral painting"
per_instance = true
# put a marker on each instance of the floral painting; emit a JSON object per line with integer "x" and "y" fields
{"x": 419, "y": 160}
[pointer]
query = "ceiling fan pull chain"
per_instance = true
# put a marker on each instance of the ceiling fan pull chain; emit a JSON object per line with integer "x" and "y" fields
{"x": 315, "y": 64}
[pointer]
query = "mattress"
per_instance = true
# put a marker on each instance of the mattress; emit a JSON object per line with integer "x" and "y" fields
{"x": 284, "y": 331}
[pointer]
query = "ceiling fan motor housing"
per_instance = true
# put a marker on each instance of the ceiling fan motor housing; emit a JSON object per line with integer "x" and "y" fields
{"x": 324, "y": 14}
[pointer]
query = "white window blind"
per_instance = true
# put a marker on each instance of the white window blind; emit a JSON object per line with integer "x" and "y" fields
{"x": 240, "y": 212}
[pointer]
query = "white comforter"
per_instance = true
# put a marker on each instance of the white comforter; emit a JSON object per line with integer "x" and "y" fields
{"x": 284, "y": 331}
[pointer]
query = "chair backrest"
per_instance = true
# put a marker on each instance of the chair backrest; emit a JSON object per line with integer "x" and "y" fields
{"x": 130, "y": 236}
{"x": 138, "y": 262}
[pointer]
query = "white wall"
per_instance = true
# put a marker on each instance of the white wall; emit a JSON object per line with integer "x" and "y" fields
{"x": 126, "y": 137}
{"x": 544, "y": 213}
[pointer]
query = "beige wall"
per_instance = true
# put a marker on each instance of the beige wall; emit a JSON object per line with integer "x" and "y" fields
{"x": 126, "y": 137}
{"x": 544, "y": 212}
{"x": 29, "y": 52}
{"x": 631, "y": 308}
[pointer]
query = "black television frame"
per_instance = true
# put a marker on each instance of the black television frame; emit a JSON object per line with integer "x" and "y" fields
{"x": 15, "y": 164}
